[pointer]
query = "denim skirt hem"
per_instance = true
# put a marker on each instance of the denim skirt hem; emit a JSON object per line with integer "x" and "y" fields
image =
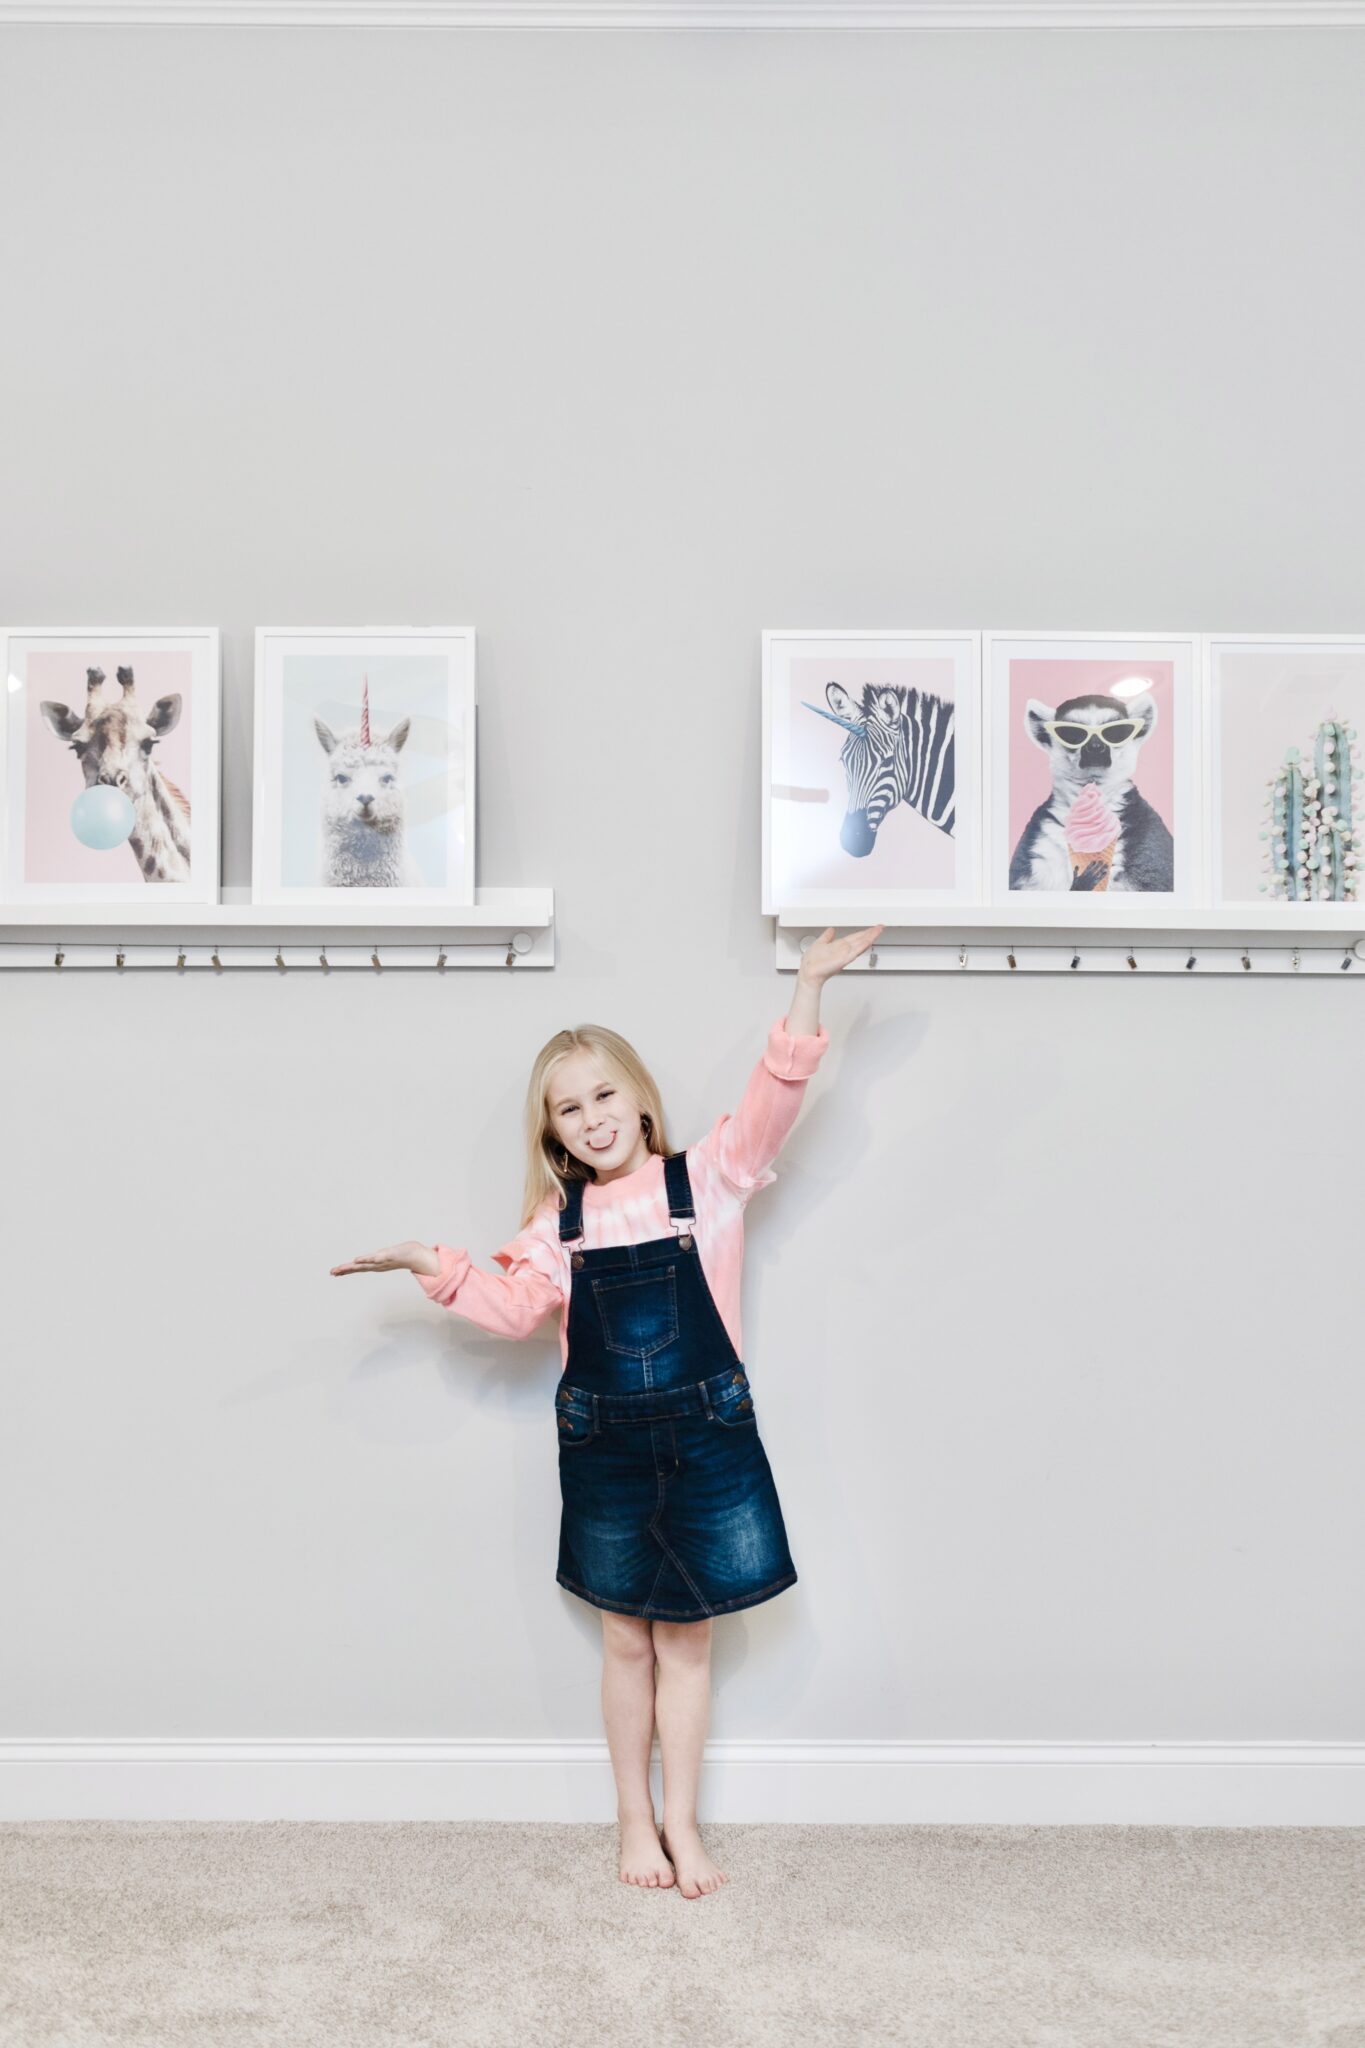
{"x": 678, "y": 1614}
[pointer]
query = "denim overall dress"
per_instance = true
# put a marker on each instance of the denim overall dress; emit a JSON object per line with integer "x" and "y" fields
{"x": 669, "y": 1505}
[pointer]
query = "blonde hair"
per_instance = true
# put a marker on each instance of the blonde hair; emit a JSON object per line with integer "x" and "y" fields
{"x": 549, "y": 1167}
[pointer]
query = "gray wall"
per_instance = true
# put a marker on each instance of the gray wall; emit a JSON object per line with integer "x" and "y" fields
{"x": 623, "y": 348}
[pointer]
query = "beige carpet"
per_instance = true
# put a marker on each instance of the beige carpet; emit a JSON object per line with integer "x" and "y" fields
{"x": 154, "y": 1934}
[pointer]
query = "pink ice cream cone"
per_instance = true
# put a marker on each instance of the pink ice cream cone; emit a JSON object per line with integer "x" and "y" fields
{"x": 1092, "y": 835}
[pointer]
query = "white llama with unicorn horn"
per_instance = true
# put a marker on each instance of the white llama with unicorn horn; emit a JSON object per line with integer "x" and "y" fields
{"x": 364, "y": 824}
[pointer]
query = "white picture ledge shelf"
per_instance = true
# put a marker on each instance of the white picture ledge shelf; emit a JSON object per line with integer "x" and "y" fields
{"x": 1281, "y": 938}
{"x": 502, "y": 928}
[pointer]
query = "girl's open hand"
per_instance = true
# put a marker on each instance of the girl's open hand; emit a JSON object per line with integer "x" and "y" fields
{"x": 826, "y": 955}
{"x": 410, "y": 1257}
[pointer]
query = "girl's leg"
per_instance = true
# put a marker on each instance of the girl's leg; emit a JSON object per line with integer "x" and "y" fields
{"x": 681, "y": 1706}
{"x": 628, "y": 1711}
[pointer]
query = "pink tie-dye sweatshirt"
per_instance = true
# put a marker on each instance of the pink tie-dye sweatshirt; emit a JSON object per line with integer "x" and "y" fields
{"x": 725, "y": 1167}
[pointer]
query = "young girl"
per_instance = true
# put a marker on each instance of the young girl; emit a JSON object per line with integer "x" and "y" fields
{"x": 669, "y": 1511}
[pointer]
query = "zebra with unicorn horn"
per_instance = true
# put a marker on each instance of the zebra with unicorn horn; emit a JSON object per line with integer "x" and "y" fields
{"x": 899, "y": 750}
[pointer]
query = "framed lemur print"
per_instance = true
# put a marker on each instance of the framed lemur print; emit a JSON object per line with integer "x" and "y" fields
{"x": 1093, "y": 772}
{"x": 110, "y": 767}
{"x": 871, "y": 769}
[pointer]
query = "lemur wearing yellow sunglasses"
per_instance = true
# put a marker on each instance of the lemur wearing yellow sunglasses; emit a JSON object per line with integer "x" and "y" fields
{"x": 1096, "y": 830}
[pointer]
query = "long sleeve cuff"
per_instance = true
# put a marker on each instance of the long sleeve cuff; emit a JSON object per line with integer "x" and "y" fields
{"x": 794, "y": 1058}
{"x": 441, "y": 1286}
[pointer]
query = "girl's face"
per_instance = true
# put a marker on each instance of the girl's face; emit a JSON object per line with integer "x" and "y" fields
{"x": 594, "y": 1118}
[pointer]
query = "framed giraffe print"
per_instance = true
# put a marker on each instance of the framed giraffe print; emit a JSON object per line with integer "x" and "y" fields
{"x": 110, "y": 765}
{"x": 871, "y": 769}
{"x": 1093, "y": 781}
{"x": 364, "y": 785}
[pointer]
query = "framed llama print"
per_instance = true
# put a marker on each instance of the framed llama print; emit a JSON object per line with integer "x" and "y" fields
{"x": 364, "y": 785}
{"x": 870, "y": 769}
{"x": 1284, "y": 717}
{"x": 110, "y": 765}
{"x": 1093, "y": 772}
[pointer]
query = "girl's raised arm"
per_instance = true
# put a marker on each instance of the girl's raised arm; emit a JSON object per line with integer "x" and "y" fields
{"x": 743, "y": 1146}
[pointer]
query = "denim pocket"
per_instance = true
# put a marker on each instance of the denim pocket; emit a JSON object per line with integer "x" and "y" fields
{"x": 639, "y": 1315}
{"x": 575, "y": 1428}
{"x": 735, "y": 1408}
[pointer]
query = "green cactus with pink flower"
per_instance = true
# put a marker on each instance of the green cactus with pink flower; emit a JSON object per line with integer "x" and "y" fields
{"x": 1313, "y": 844}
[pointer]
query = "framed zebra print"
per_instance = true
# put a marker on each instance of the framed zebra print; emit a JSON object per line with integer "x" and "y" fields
{"x": 109, "y": 762}
{"x": 871, "y": 769}
{"x": 1093, "y": 771}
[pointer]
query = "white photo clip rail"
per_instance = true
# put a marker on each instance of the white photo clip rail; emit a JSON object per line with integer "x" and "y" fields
{"x": 220, "y": 957}
{"x": 1097, "y": 953}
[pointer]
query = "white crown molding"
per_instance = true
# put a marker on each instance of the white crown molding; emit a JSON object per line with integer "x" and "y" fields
{"x": 691, "y": 14}
{"x": 1048, "y": 1784}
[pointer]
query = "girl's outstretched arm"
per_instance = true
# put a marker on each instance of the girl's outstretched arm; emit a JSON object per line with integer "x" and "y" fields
{"x": 510, "y": 1304}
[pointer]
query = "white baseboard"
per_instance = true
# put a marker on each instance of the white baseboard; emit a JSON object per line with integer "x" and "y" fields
{"x": 696, "y": 14}
{"x": 1165, "y": 1784}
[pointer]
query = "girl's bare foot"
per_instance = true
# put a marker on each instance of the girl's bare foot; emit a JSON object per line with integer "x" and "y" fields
{"x": 696, "y": 1872}
{"x": 642, "y": 1858}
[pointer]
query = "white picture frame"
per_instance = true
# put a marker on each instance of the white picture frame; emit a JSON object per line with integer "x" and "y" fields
{"x": 1265, "y": 694}
{"x": 1027, "y": 804}
{"x": 923, "y": 846}
{"x": 144, "y": 739}
{"x": 314, "y": 842}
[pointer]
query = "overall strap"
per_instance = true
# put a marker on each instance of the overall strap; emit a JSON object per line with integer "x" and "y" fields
{"x": 679, "y": 1185}
{"x": 571, "y": 1215}
{"x": 676, "y": 1180}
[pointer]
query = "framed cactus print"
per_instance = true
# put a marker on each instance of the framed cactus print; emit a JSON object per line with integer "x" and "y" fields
{"x": 871, "y": 769}
{"x": 1093, "y": 772}
{"x": 1285, "y": 714}
{"x": 109, "y": 741}
{"x": 364, "y": 780}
